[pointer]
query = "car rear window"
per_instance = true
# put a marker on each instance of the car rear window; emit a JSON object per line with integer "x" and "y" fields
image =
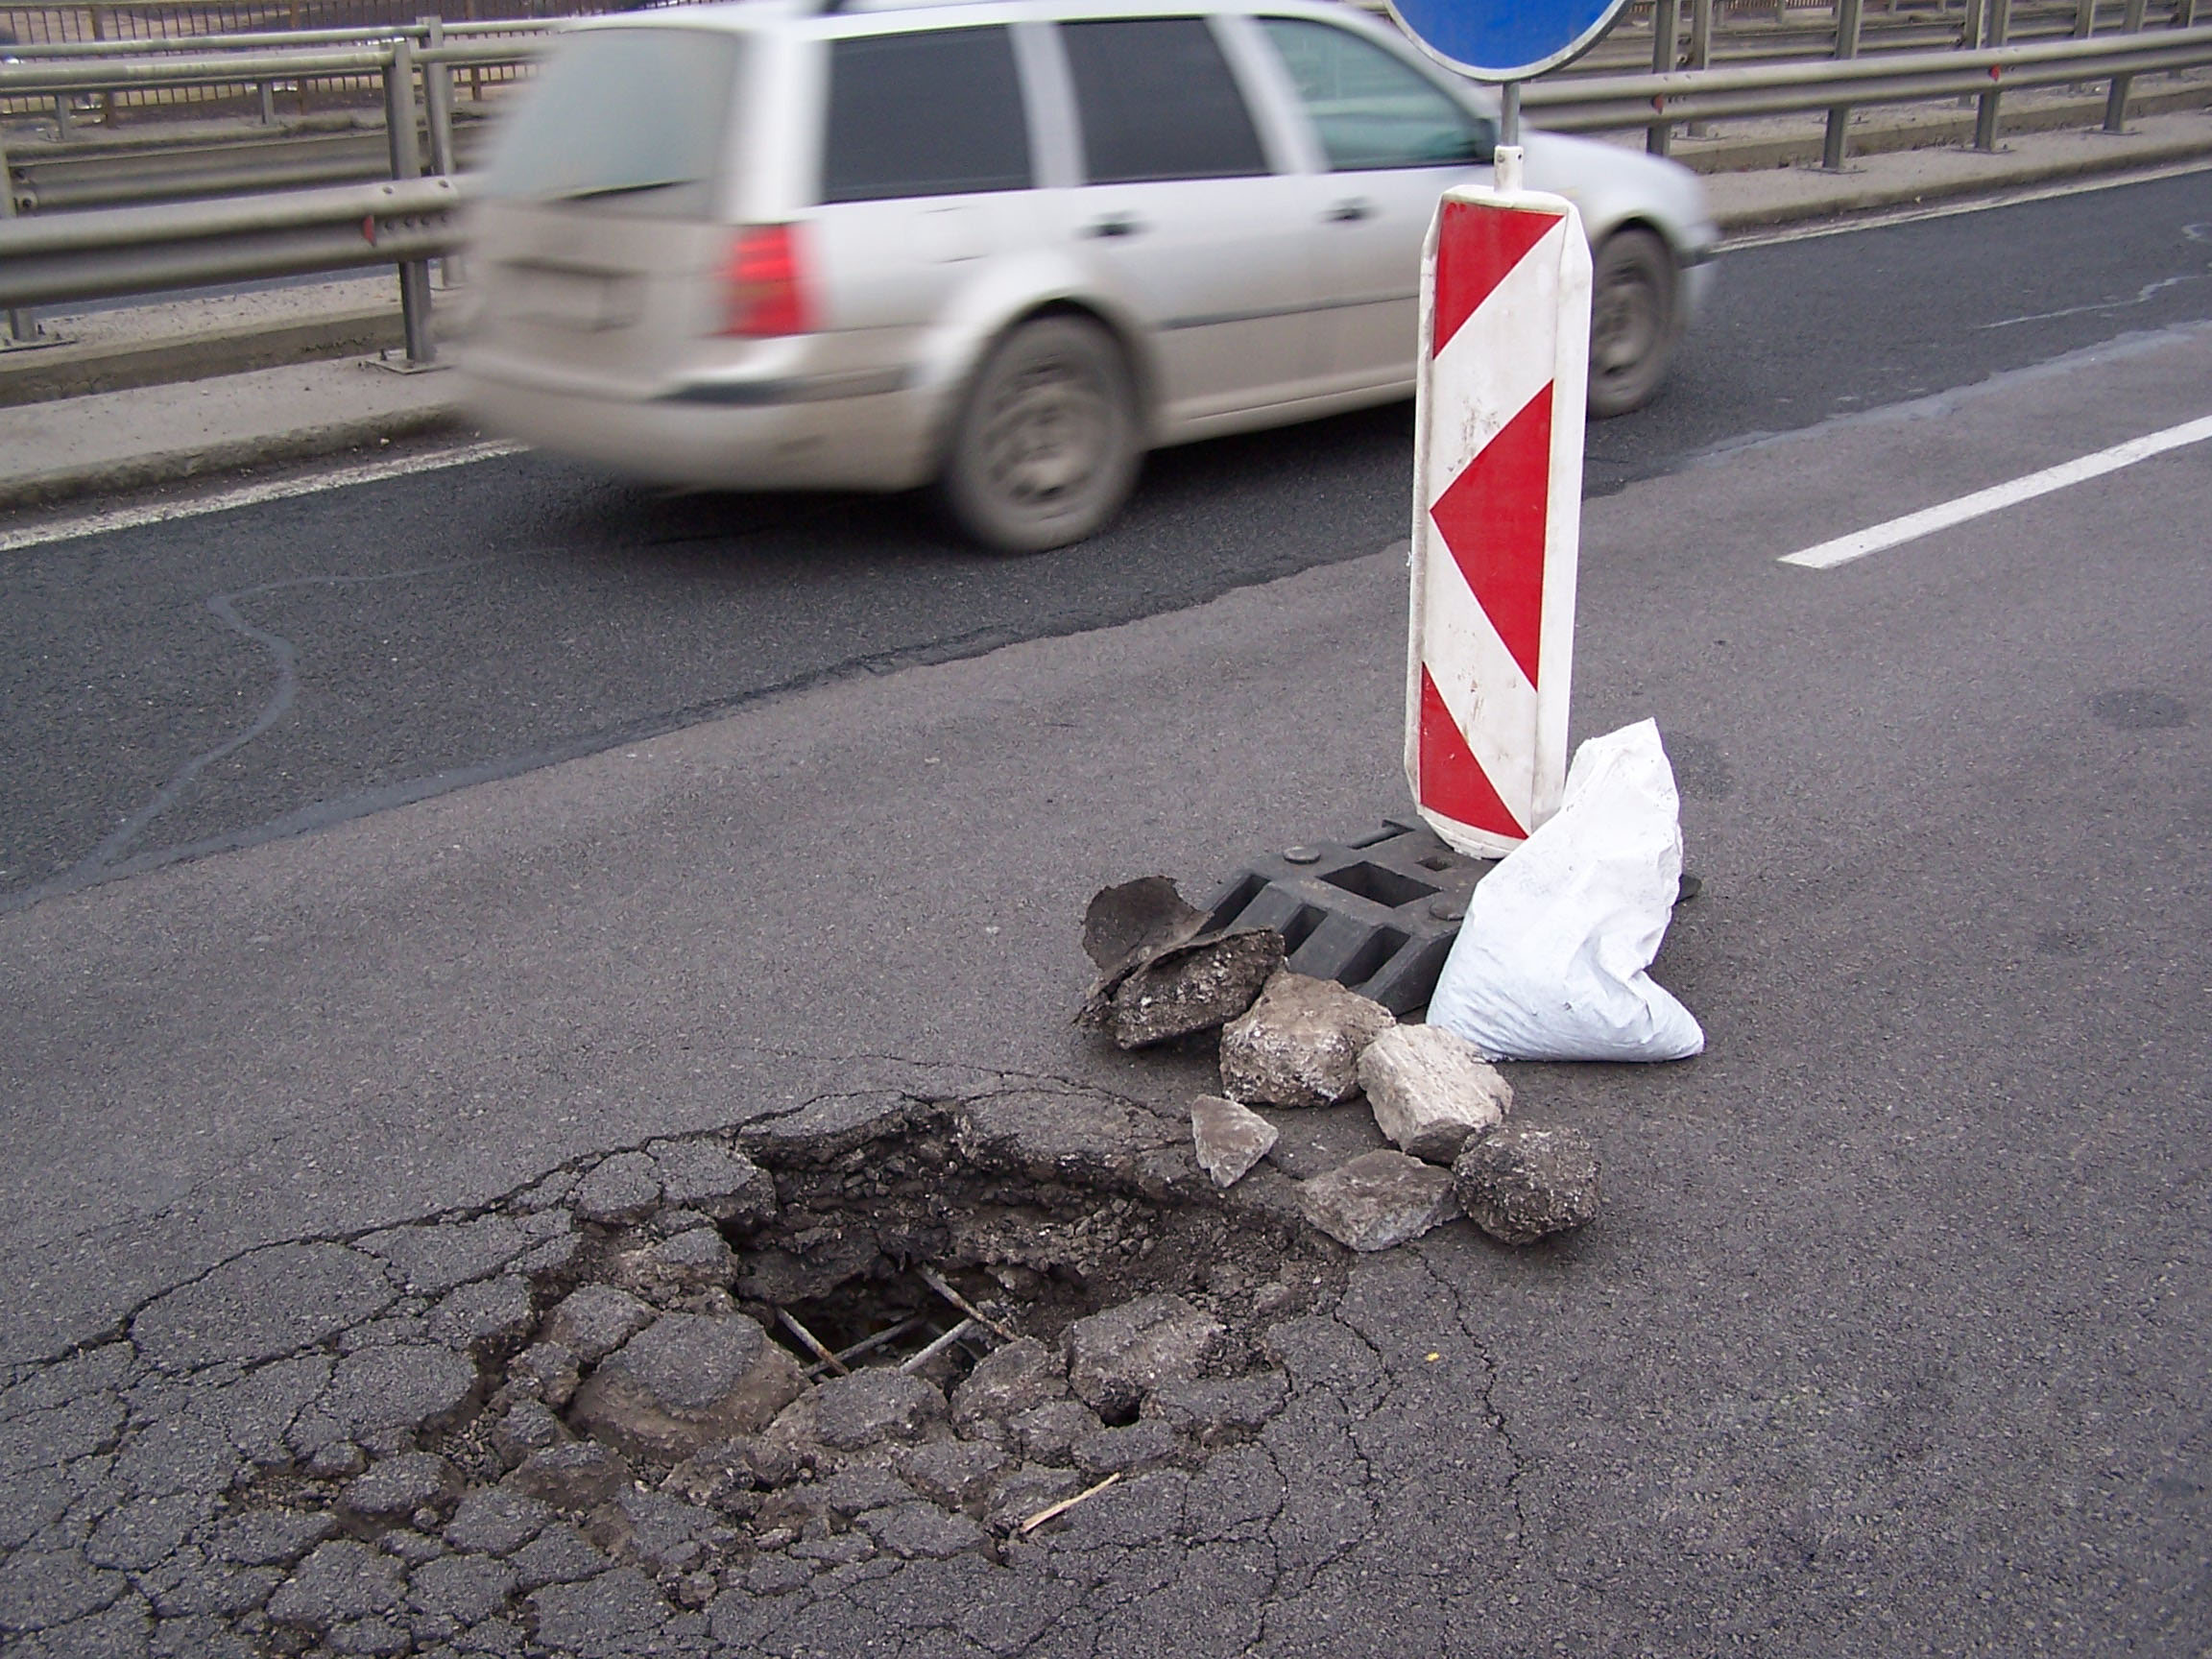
{"x": 632, "y": 119}
{"x": 1157, "y": 101}
{"x": 932, "y": 113}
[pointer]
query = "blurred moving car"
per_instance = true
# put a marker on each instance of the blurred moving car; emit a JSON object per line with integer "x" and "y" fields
{"x": 1003, "y": 246}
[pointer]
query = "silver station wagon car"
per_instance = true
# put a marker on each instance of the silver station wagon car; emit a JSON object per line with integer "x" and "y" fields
{"x": 1002, "y": 247}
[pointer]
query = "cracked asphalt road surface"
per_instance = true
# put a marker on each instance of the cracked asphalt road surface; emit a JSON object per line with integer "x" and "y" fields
{"x": 1891, "y": 1335}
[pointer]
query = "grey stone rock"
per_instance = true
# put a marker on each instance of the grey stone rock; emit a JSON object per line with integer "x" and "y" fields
{"x": 957, "y": 1473}
{"x": 1432, "y": 1091}
{"x": 574, "y": 1478}
{"x": 1048, "y": 1433}
{"x": 1117, "y": 1356}
{"x": 921, "y": 1531}
{"x": 550, "y": 1370}
{"x": 407, "y": 1387}
{"x": 593, "y": 1322}
{"x": 1059, "y": 1136}
{"x": 1520, "y": 1184}
{"x": 1299, "y": 1044}
{"x": 468, "y": 1589}
{"x": 342, "y": 1579}
{"x": 874, "y": 1406}
{"x": 1008, "y": 1382}
{"x": 399, "y": 1486}
{"x": 715, "y": 1179}
{"x": 557, "y": 1556}
{"x": 1378, "y": 1200}
{"x": 1145, "y": 1444}
{"x": 1192, "y": 988}
{"x": 483, "y": 1317}
{"x": 262, "y": 1305}
{"x": 497, "y": 1521}
{"x": 1229, "y": 1139}
{"x": 623, "y": 1188}
{"x": 271, "y": 1537}
{"x": 433, "y": 1259}
{"x": 686, "y": 1382}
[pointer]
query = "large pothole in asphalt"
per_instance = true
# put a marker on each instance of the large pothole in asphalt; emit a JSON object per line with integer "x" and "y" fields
{"x": 880, "y": 1325}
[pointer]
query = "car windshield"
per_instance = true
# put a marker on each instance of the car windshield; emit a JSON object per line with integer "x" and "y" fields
{"x": 630, "y": 118}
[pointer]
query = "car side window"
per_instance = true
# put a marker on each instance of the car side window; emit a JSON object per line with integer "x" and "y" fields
{"x": 1373, "y": 110}
{"x": 1157, "y": 101}
{"x": 936, "y": 113}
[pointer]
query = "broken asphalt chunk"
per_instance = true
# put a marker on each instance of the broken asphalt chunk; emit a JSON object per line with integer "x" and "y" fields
{"x": 1520, "y": 1184}
{"x": 1432, "y": 1091}
{"x": 1379, "y": 1200}
{"x": 1161, "y": 975}
{"x": 1300, "y": 1042}
{"x": 1230, "y": 1139}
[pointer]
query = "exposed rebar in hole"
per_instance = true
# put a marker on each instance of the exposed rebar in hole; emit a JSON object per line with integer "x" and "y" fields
{"x": 915, "y": 1319}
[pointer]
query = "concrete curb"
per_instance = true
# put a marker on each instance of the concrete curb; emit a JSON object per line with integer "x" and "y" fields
{"x": 48, "y": 372}
{"x": 1873, "y": 198}
{"x": 65, "y": 484}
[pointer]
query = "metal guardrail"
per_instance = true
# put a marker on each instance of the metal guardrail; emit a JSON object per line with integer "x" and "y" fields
{"x": 410, "y": 220}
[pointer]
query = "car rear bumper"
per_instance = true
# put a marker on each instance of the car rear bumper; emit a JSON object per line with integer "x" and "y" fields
{"x": 857, "y": 431}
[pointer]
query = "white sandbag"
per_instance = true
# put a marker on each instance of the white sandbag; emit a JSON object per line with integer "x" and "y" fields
{"x": 1550, "y": 964}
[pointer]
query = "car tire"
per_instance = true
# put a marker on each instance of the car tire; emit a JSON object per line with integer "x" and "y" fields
{"x": 1047, "y": 445}
{"x": 1635, "y": 314}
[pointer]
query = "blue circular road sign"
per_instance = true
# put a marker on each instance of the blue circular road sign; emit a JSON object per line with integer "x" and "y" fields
{"x": 1506, "y": 39}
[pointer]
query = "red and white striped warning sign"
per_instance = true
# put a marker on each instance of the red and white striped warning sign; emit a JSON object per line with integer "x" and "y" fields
{"x": 1497, "y": 514}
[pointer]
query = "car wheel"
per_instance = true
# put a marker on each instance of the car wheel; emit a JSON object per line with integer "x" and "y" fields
{"x": 1633, "y": 320}
{"x": 1046, "y": 447}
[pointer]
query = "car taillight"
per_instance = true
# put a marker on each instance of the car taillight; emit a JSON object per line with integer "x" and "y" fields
{"x": 768, "y": 293}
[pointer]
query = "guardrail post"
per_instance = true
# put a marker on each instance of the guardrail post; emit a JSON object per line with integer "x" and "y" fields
{"x": 22, "y": 325}
{"x": 407, "y": 163}
{"x": 437, "y": 104}
{"x": 1700, "y": 55}
{"x": 2116, "y": 100}
{"x": 1665, "y": 36}
{"x": 1847, "y": 18}
{"x": 1985, "y": 117}
{"x": 2184, "y": 14}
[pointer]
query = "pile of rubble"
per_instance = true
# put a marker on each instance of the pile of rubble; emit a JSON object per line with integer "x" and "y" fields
{"x": 1295, "y": 1042}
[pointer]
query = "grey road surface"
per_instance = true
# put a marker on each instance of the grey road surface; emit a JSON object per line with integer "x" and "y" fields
{"x": 223, "y": 680}
{"x": 1892, "y": 1337}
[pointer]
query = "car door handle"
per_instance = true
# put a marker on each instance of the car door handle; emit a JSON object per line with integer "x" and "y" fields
{"x": 1115, "y": 224}
{"x": 1348, "y": 212}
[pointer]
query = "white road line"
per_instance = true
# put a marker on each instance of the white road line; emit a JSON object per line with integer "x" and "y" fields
{"x": 1929, "y": 519}
{"x": 248, "y": 496}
